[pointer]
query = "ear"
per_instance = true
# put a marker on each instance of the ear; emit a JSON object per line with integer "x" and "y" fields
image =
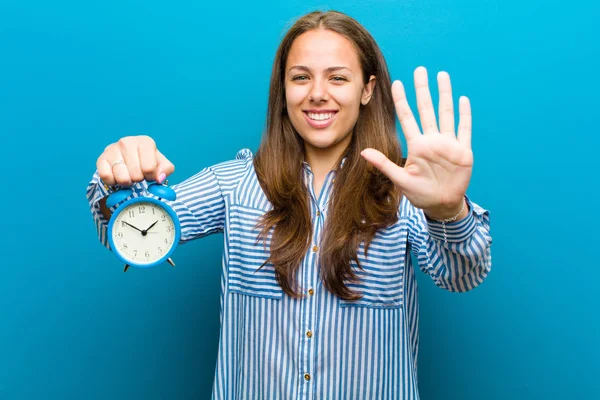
{"x": 368, "y": 90}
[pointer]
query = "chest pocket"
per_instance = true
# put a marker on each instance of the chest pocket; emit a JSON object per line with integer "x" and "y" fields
{"x": 246, "y": 255}
{"x": 381, "y": 279}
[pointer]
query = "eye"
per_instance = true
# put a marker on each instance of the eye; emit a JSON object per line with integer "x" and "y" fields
{"x": 300, "y": 78}
{"x": 338, "y": 79}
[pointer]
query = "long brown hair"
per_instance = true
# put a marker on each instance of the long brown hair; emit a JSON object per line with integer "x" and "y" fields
{"x": 363, "y": 199}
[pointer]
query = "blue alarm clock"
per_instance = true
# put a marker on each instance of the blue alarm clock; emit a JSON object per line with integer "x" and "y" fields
{"x": 143, "y": 231}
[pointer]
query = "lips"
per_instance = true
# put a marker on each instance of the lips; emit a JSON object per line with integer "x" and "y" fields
{"x": 319, "y": 116}
{"x": 320, "y": 119}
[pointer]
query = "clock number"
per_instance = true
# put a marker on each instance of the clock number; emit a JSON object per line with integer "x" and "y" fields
{"x": 168, "y": 228}
{"x": 166, "y": 241}
{"x": 131, "y": 213}
{"x": 160, "y": 250}
{"x": 120, "y": 234}
{"x": 135, "y": 253}
{"x": 142, "y": 210}
{"x": 125, "y": 246}
{"x": 153, "y": 211}
{"x": 147, "y": 254}
{"x": 123, "y": 224}
{"x": 163, "y": 217}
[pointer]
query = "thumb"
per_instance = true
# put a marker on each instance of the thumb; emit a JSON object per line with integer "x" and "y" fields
{"x": 396, "y": 174}
{"x": 165, "y": 167}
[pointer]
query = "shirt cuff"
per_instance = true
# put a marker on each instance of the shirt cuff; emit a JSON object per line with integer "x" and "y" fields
{"x": 98, "y": 189}
{"x": 457, "y": 231}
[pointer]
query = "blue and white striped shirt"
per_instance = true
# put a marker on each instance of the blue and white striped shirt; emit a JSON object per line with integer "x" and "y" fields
{"x": 272, "y": 346}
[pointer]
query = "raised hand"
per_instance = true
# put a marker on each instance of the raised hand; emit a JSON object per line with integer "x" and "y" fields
{"x": 439, "y": 163}
{"x": 133, "y": 159}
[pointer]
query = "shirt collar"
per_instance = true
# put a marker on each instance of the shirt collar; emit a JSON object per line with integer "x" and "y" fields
{"x": 306, "y": 166}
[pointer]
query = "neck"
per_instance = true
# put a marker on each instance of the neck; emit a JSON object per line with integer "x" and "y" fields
{"x": 322, "y": 161}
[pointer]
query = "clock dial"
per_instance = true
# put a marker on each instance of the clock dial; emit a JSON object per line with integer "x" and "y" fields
{"x": 143, "y": 233}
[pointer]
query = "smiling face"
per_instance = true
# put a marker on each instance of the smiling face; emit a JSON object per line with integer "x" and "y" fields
{"x": 324, "y": 89}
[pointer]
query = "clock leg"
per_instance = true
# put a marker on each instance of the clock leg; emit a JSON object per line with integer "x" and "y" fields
{"x": 126, "y": 267}
{"x": 170, "y": 261}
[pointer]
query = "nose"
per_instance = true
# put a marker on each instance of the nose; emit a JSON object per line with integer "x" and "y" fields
{"x": 318, "y": 92}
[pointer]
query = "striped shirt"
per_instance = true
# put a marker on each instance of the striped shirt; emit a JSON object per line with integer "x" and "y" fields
{"x": 272, "y": 346}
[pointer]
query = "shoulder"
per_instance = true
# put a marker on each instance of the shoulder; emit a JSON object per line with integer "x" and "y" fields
{"x": 237, "y": 177}
{"x": 239, "y": 182}
{"x": 240, "y": 164}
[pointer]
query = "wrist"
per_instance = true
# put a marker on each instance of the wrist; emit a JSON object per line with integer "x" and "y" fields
{"x": 454, "y": 213}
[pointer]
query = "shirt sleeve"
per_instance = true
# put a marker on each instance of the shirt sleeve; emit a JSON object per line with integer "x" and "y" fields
{"x": 456, "y": 256}
{"x": 200, "y": 202}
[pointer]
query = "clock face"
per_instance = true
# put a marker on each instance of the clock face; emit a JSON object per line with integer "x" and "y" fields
{"x": 143, "y": 233}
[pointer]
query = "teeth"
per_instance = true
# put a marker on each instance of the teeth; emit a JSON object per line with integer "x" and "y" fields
{"x": 320, "y": 116}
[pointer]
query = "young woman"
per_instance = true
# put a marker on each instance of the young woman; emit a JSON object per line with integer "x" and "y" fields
{"x": 319, "y": 299}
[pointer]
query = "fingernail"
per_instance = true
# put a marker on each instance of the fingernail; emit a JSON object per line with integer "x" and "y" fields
{"x": 161, "y": 177}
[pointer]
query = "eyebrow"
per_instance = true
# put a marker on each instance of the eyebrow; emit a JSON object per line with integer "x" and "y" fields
{"x": 330, "y": 69}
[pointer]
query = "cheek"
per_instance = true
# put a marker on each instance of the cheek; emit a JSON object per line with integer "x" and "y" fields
{"x": 347, "y": 96}
{"x": 295, "y": 94}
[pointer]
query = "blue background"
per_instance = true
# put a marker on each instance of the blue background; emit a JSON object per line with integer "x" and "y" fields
{"x": 76, "y": 76}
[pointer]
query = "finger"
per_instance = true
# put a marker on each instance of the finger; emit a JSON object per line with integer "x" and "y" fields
{"x": 396, "y": 174}
{"x": 165, "y": 167}
{"x": 104, "y": 165}
{"x": 424, "y": 103}
{"x": 115, "y": 173}
{"x": 465, "y": 122}
{"x": 148, "y": 160}
{"x": 129, "y": 149}
{"x": 104, "y": 171}
{"x": 122, "y": 176}
{"x": 446, "y": 107}
{"x": 405, "y": 115}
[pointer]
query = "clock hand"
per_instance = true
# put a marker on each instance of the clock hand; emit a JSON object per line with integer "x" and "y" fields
{"x": 134, "y": 227}
{"x": 148, "y": 228}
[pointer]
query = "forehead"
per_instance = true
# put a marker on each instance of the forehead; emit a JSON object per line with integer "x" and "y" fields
{"x": 321, "y": 49}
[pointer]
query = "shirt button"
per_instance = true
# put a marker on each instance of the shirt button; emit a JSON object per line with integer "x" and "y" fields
{"x": 318, "y": 213}
{"x": 311, "y": 291}
{"x": 309, "y": 334}
{"x": 315, "y": 248}
{"x": 307, "y": 377}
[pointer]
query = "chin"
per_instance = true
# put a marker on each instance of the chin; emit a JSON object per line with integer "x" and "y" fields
{"x": 319, "y": 141}
{"x": 323, "y": 144}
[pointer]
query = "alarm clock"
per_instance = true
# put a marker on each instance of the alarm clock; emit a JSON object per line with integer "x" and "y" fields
{"x": 143, "y": 231}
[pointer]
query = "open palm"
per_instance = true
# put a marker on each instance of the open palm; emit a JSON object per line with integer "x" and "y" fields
{"x": 439, "y": 163}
